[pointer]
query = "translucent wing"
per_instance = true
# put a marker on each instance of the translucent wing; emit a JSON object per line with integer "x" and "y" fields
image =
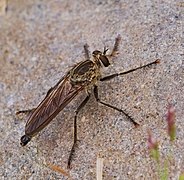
{"x": 56, "y": 99}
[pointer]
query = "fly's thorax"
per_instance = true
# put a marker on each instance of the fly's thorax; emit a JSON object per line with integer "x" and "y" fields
{"x": 86, "y": 72}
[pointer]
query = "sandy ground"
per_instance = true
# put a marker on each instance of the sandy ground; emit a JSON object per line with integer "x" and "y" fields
{"x": 41, "y": 40}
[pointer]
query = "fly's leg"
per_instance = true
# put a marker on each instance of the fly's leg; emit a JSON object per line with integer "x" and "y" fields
{"x": 75, "y": 129}
{"x": 113, "y": 107}
{"x": 116, "y": 46}
{"x": 25, "y": 139}
{"x": 105, "y": 50}
{"x": 27, "y": 111}
{"x": 86, "y": 51}
{"x": 106, "y": 78}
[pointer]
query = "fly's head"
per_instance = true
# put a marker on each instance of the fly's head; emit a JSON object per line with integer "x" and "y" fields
{"x": 101, "y": 57}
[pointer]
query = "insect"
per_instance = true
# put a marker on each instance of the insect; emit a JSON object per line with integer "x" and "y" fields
{"x": 84, "y": 76}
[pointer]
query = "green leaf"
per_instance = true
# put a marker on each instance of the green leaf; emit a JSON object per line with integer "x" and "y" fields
{"x": 155, "y": 154}
{"x": 165, "y": 172}
{"x": 181, "y": 177}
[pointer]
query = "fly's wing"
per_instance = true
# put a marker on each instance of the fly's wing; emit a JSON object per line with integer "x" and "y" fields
{"x": 56, "y": 99}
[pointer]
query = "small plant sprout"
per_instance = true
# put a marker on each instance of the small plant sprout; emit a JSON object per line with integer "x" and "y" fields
{"x": 153, "y": 146}
{"x": 163, "y": 164}
{"x": 171, "y": 123}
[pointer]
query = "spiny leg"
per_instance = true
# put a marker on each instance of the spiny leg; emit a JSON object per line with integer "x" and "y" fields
{"x": 86, "y": 51}
{"x": 113, "y": 107}
{"x": 75, "y": 129}
{"x": 27, "y": 111}
{"x": 105, "y": 50}
{"x": 116, "y": 46}
{"x": 106, "y": 78}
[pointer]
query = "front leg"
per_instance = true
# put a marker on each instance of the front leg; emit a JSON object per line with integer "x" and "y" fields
{"x": 106, "y": 78}
{"x": 116, "y": 46}
{"x": 86, "y": 51}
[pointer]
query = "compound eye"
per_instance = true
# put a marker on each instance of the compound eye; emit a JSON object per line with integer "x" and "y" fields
{"x": 24, "y": 140}
{"x": 104, "y": 60}
{"x": 96, "y": 52}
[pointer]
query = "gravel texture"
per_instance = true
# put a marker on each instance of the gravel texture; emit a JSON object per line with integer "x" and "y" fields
{"x": 41, "y": 40}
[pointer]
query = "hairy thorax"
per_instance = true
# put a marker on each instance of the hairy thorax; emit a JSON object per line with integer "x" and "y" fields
{"x": 85, "y": 73}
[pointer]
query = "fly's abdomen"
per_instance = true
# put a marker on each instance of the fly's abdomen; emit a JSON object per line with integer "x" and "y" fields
{"x": 53, "y": 103}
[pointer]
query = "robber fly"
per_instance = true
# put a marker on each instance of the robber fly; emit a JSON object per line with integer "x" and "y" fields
{"x": 83, "y": 76}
